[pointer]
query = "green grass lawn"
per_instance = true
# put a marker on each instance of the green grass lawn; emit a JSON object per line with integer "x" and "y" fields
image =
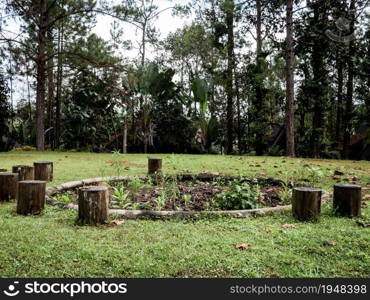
{"x": 51, "y": 245}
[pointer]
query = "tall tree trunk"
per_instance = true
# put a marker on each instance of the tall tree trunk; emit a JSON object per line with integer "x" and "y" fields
{"x": 238, "y": 108}
{"x": 41, "y": 77}
{"x": 59, "y": 85}
{"x": 349, "y": 99}
{"x": 124, "y": 141}
{"x": 259, "y": 112}
{"x": 230, "y": 74}
{"x": 339, "y": 66}
{"x": 50, "y": 74}
{"x": 290, "y": 149}
{"x": 320, "y": 79}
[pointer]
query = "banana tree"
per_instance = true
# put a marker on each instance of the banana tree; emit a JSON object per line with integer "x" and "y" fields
{"x": 151, "y": 85}
{"x": 208, "y": 127}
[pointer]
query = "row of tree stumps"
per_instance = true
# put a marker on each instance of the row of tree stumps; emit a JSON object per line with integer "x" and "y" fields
{"x": 93, "y": 200}
{"x": 27, "y": 185}
{"x": 306, "y": 202}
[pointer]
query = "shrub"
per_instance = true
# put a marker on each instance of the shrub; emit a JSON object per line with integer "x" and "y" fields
{"x": 24, "y": 148}
{"x": 238, "y": 196}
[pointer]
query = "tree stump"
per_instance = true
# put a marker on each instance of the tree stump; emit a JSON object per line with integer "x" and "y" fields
{"x": 347, "y": 200}
{"x": 43, "y": 170}
{"x": 154, "y": 165}
{"x": 8, "y": 186}
{"x": 24, "y": 172}
{"x": 93, "y": 205}
{"x": 306, "y": 203}
{"x": 31, "y": 197}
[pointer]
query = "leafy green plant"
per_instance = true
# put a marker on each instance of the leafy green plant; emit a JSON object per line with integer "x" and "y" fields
{"x": 134, "y": 184}
{"x": 117, "y": 162}
{"x": 240, "y": 195}
{"x": 64, "y": 198}
{"x": 122, "y": 197}
{"x": 285, "y": 195}
{"x": 160, "y": 201}
{"x": 187, "y": 199}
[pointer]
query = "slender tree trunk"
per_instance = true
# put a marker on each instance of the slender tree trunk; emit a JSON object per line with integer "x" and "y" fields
{"x": 238, "y": 114}
{"x": 124, "y": 141}
{"x": 259, "y": 111}
{"x": 50, "y": 74}
{"x": 349, "y": 101}
{"x": 320, "y": 75}
{"x": 143, "y": 42}
{"x": 230, "y": 78}
{"x": 59, "y": 86}
{"x": 290, "y": 149}
{"x": 41, "y": 77}
{"x": 338, "y": 129}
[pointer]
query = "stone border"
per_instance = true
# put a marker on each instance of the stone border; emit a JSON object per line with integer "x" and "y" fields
{"x": 135, "y": 214}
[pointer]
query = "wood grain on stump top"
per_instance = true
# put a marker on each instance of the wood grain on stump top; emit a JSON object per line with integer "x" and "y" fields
{"x": 9, "y": 174}
{"x": 307, "y": 189}
{"x": 348, "y": 186}
{"x": 32, "y": 181}
{"x": 94, "y": 188}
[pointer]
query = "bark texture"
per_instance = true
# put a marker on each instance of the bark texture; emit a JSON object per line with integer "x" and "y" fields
{"x": 31, "y": 197}
{"x": 24, "y": 172}
{"x": 8, "y": 186}
{"x": 43, "y": 170}
{"x": 154, "y": 165}
{"x": 93, "y": 205}
{"x": 306, "y": 203}
{"x": 347, "y": 200}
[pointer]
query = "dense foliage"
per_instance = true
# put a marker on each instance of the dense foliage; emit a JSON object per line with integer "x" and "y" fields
{"x": 232, "y": 81}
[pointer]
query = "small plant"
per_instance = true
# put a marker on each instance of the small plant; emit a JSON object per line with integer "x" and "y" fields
{"x": 64, "y": 198}
{"x": 160, "y": 201}
{"x": 122, "y": 197}
{"x": 134, "y": 184}
{"x": 117, "y": 163}
{"x": 285, "y": 195}
{"x": 239, "y": 196}
{"x": 187, "y": 199}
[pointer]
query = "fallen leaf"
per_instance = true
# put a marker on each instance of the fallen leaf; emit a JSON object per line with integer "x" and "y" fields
{"x": 363, "y": 224}
{"x": 330, "y": 243}
{"x": 366, "y": 197}
{"x": 338, "y": 173}
{"x": 351, "y": 179}
{"x": 242, "y": 246}
{"x": 363, "y": 205}
{"x": 115, "y": 223}
{"x": 288, "y": 226}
